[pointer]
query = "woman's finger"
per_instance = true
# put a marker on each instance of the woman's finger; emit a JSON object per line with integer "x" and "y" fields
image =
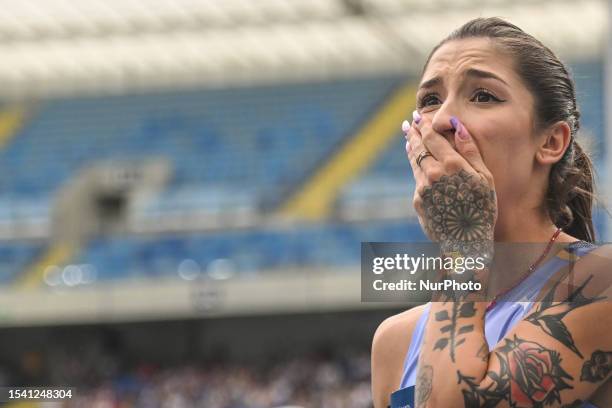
{"x": 412, "y": 142}
{"x": 428, "y": 163}
{"x": 450, "y": 161}
{"x": 413, "y": 146}
{"x": 468, "y": 149}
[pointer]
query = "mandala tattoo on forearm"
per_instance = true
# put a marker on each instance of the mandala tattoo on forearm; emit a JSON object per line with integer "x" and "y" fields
{"x": 460, "y": 212}
{"x": 530, "y": 375}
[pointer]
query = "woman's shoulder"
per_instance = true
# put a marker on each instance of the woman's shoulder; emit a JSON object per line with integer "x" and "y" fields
{"x": 593, "y": 265}
{"x": 590, "y": 259}
{"x": 586, "y": 271}
{"x": 396, "y": 325}
{"x": 389, "y": 348}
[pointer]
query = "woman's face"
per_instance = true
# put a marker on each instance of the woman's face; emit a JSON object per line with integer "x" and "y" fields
{"x": 475, "y": 82}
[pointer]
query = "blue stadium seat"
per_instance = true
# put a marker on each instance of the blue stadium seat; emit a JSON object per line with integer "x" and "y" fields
{"x": 15, "y": 256}
{"x": 261, "y": 139}
{"x": 247, "y": 251}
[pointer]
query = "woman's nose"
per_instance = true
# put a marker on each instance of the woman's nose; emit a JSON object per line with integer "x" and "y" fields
{"x": 441, "y": 123}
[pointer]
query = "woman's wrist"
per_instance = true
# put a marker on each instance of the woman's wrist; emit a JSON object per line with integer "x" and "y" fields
{"x": 466, "y": 275}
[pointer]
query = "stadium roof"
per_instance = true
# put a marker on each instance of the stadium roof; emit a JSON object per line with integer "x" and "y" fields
{"x": 55, "y": 47}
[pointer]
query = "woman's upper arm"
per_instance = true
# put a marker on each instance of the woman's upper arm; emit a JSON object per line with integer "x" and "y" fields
{"x": 561, "y": 352}
{"x": 389, "y": 348}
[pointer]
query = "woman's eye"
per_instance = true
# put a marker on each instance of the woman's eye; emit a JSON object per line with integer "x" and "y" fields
{"x": 481, "y": 96}
{"x": 484, "y": 96}
{"x": 426, "y": 99}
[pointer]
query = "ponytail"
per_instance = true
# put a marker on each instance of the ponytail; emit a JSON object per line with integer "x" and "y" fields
{"x": 570, "y": 193}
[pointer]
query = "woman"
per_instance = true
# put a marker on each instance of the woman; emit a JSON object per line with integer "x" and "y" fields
{"x": 494, "y": 154}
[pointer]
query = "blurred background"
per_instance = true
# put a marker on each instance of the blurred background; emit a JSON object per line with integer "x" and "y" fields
{"x": 185, "y": 184}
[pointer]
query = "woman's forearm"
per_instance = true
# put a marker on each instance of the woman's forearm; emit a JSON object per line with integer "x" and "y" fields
{"x": 454, "y": 353}
{"x": 457, "y": 206}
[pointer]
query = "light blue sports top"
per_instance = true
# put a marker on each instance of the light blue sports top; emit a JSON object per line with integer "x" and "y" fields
{"x": 498, "y": 320}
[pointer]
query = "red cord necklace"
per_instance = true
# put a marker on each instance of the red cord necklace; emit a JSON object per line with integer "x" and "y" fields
{"x": 529, "y": 271}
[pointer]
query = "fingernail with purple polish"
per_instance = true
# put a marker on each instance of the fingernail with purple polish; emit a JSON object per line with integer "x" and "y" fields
{"x": 458, "y": 128}
{"x": 416, "y": 117}
{"x": 405, "y": 126}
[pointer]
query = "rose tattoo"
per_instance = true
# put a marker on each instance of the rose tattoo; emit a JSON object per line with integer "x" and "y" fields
{"x": 530, "y": 376}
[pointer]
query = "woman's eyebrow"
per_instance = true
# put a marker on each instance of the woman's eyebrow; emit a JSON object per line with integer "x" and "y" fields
{"x": 472, "y": 72}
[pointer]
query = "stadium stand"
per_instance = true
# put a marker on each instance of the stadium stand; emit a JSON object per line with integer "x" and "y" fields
{"x": 227, "y": 147}
{"x": 15, "y": 256}
{"x": 252, "y": 251}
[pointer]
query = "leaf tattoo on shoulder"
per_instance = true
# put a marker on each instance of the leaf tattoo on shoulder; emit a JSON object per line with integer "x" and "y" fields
{"x": 549, "y": 314}
{"x": 598, "y": 367}
{"x": 453, "y": 333}
{"x": 530, "y": 375}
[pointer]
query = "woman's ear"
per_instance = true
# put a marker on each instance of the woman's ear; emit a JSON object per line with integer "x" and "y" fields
{"x": 554, "y": 143}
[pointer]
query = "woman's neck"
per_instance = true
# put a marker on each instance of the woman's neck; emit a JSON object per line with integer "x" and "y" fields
{"x": 520, "y": 225}
{"x": 520, "y": 239}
